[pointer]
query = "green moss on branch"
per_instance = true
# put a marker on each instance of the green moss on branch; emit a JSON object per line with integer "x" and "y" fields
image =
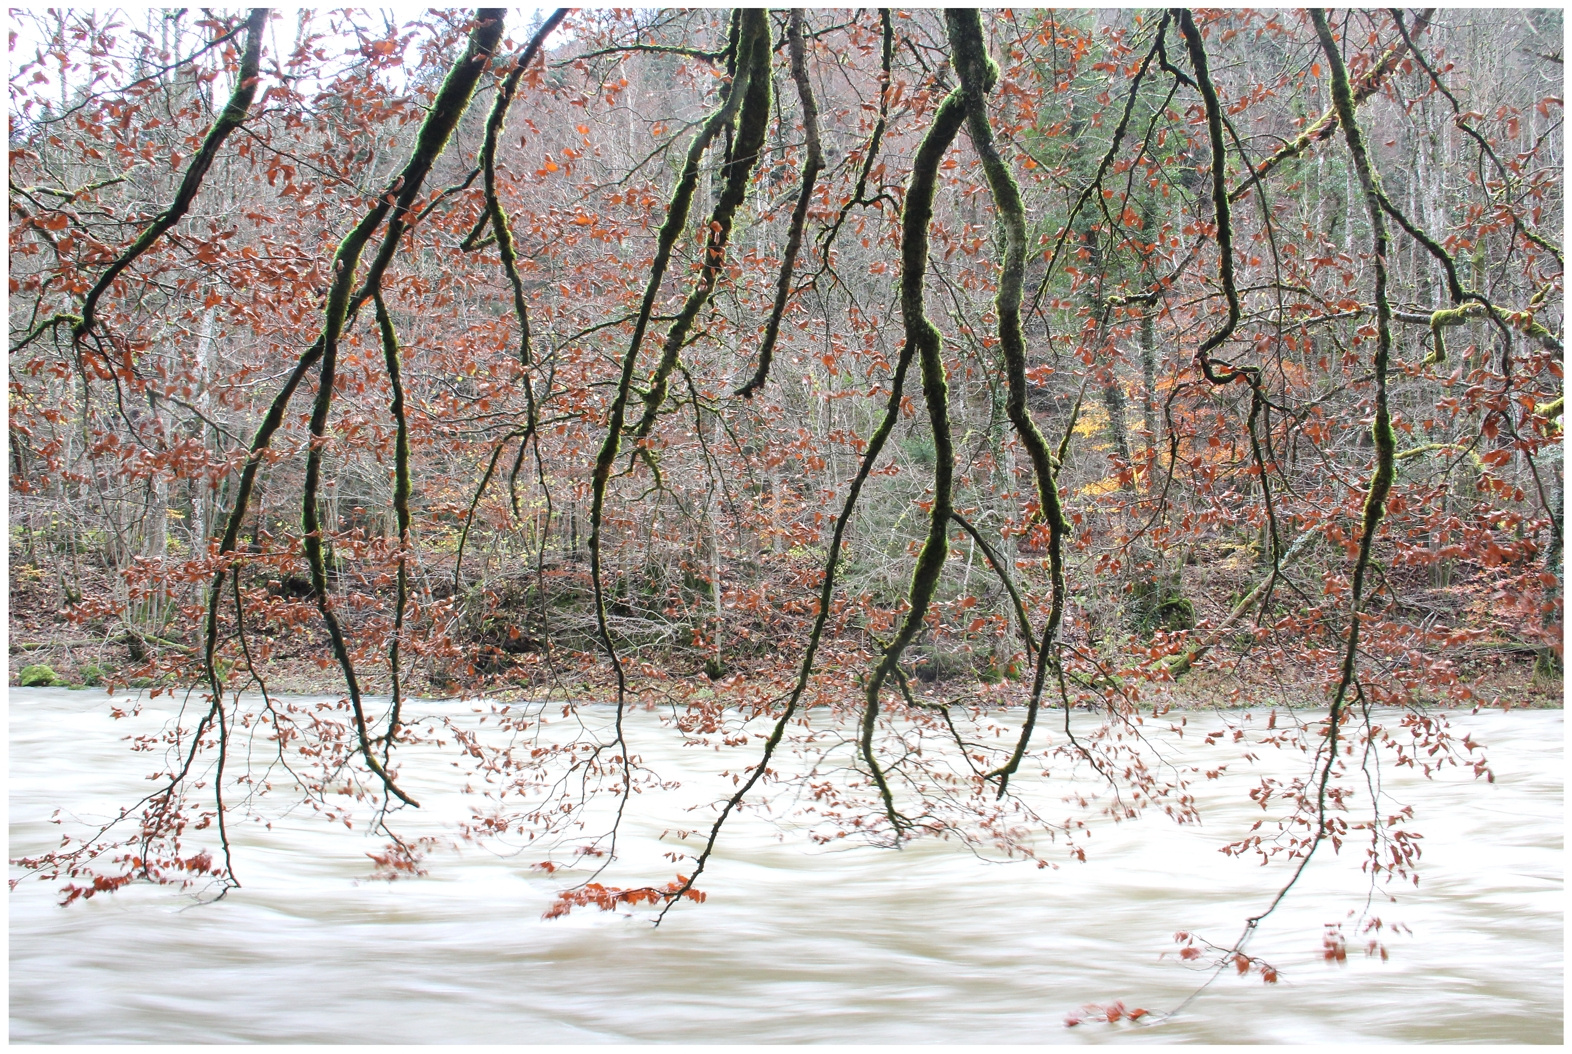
{"x": 924, "y": 337}
{"x": 811, "y": 167}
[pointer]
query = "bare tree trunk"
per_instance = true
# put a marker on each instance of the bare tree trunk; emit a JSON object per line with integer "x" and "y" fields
{"x": 1149, "y": 382}
{"x": 202, "y": 489}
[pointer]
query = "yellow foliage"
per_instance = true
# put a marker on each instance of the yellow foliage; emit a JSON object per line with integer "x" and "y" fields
{"x": 1092, "y": 419}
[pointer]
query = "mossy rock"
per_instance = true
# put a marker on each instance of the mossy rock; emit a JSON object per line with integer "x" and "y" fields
{"x": 1176, "y": 613}
{"x": 39, "y": 676}
{"x": 92, "y": 675}
{"x": 1157, "y": 601}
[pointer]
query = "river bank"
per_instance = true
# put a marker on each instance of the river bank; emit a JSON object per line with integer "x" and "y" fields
{"x": 1502, "y": 680}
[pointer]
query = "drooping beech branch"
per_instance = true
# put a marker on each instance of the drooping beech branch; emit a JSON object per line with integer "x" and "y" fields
{"x": 1381, "y": 478}
{"x": 448, "y": 106}
{"x": 1250, "y": 375}
{"x": 1381, "y": 431}
{"x": 870, "y": 457}
{"x": 1225, "y": 235}
{"x": 390, "y": 356}
{"x": 1323, "y": 127}
{"x": 752, "y": 124}
{"x": 978, "y": 73}
{"x": 676, "y": 219}
{"x": 234, "y": 113}
{"x": 923, "y": 337}
{"x": 496, "y": 216}
{"x": 811, "y": 167}
{"x": 495, "y": 212}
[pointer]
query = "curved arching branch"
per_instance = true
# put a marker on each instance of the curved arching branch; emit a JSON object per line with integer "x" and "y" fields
{"x": 752, "y": 124}
{"x": 232, "y": 116}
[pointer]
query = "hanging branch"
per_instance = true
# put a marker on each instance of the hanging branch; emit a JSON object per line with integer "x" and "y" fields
{"x": 233, "y": 115}
{"x": 451, "y": 101}
{"x": 799, "y": 217}
{"x": 502, "y": 230}
{"x": 496, "y": 216}
{"x": 447, "y": 108}
{"x": 752, "y": 124}
{"x": 1250, "y": 375}
{"x": 390, "y": 356}
{"x": 922, "y": 335}
{"x": 676, "y": 219}
{"x": 1385, "y": 443}
{"x": 870, "y": 457}
{"x": 978, "y": 74}
{"x": 1383, "y": 473}
{"x": 1225, "y": 234}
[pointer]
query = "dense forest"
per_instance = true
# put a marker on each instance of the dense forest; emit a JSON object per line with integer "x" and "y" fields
{"x": 867, "y": 388}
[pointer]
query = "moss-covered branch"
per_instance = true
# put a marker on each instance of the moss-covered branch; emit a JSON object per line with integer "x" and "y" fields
{"x": 977, "y": 75}
{"x": 1323, "y": 127}
{"x": 1225, "y": 236}
{"x": 401, "y": 488}
{"x": 676, "y": 220}
{"x": 451, "y": 101}
{"x": 924, "y": 337}
{"x": 811, "y": 166}
{"x": 232, "y": 116}
{"x": 1385, "y": 443}
{"x": 752, "y": 124}
{"x": 870, "y": 458}
{"x": 495, "y": 213}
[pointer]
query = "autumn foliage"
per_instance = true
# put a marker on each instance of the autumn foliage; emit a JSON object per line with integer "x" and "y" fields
{"x": 870, "y": 390}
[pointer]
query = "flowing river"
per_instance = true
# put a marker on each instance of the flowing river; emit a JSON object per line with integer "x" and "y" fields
{"x": 797, "y": 943}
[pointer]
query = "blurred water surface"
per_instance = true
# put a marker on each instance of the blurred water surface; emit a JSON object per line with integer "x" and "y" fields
{"x": 796, "y": 943}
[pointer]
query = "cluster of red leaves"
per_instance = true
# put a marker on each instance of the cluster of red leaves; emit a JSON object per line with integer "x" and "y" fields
{"x": 199, "y": 864}
{"x": 1192, "y": 949}
{"x": 402, "y": 859}
{"x": 1109, "y": 1014}
{"x": 609, "y": 898}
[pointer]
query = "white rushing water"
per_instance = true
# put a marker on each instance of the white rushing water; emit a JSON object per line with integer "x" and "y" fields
{"x": 796, "y": 943}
